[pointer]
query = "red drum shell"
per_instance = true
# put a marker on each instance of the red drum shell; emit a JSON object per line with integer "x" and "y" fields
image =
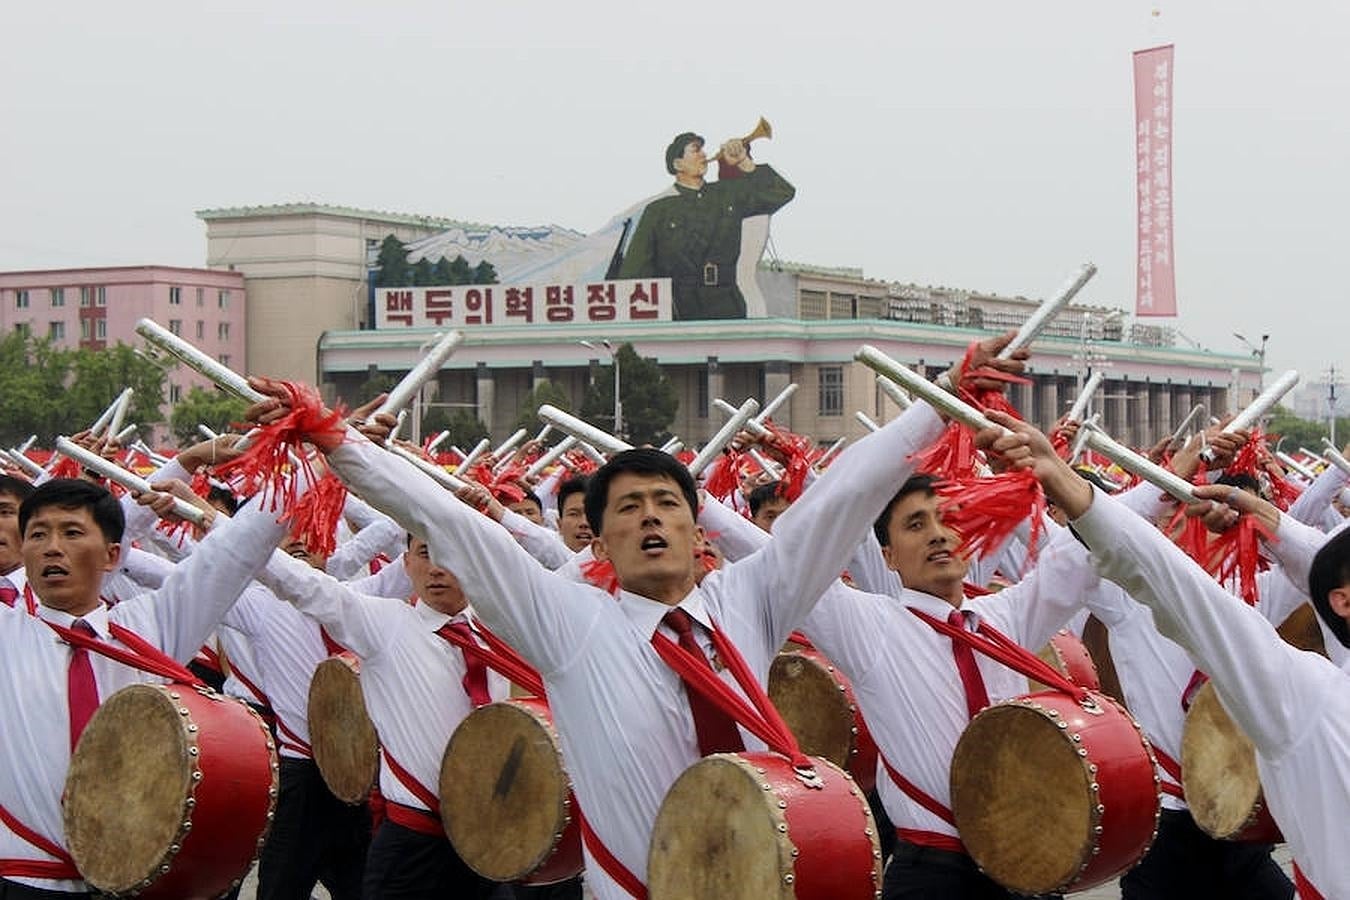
{"x": 744, "y": 826}
{"x": 506, "y": 798}
{"x": 1050, "y": 797}
{"x": 817, "y": 702}
{"x": 1071, "y": 658}
{"x": 170, "y": 793}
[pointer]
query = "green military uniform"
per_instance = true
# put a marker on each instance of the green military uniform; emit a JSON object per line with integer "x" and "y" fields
{"x": 694, "y": 239}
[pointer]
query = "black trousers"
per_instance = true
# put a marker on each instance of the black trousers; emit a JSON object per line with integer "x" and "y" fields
{"x": 12, "y": 890}
{"x": 1184, "y": 862}
{"x": 315, "y": 838}
{"x": 563, "y": 890}
{"x": 406, "y": 865}
{"x": 927, "y": 873}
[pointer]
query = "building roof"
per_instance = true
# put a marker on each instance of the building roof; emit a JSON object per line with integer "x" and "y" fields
{"x": 324, "y": 209}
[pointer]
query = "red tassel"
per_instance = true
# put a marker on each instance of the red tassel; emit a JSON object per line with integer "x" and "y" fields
{"x": 600, "y": 572}
{"x": 1060, "y": 443}
{"x": 1191, "y": 536}
{"x": 314, "y": 518}
{"x": 798, "y": 450}
{"x": 1237, "y": 553}
{"x": 724, "y": 480}
{"x": 67, "y": 468}
{"x": 986, "y": 511}
{"x": 952, "y": 458}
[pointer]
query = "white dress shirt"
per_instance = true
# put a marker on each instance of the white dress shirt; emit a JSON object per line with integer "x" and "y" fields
{"x": 35, "y": 740}
{"x": 621, "y": 712}
{"x": 412, "y": 678}
{"x": 544, "y": 544}
{"x": 1294, "y": 705}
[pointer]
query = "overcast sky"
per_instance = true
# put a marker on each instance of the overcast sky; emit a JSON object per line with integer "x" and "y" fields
{"x": 986, "y": 145}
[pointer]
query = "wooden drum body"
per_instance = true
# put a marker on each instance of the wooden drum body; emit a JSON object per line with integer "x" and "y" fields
{"x": 1219, "y": 776}
{"x": 346, "y": 747}
{"x": 816, "y": 701}
{"x": 506, "y": 799}
{"x": 170, "y": 793}
{"x": 744, "y": 826}
{"x": 1050, "y": 797}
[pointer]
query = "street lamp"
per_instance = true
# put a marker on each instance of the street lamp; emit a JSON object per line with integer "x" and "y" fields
{"x": 618, "y": 403}
{"x": 1258, "y": 352}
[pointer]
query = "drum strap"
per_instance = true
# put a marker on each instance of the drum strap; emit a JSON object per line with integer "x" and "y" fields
{"x": 1198, "y": 680}
{"x": 62, "y": 868}
{"x": 617, "y": 871}
{"x": 142, "y": 654}
{"x": 918, "y": 794}
{"x": 250, "y": 686}
{"x": 414, "y": 819}
{"x": 497, "y": 655}
{"x": 1173, "y": 770}
{"x": 1304, "y": 887}
{"x": 293, "y": 740}
{"x": 409, "y": 781}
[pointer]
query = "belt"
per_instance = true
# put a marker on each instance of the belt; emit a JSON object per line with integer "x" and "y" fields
{"x": 413, "y": 819}
{"x": 906, "y": 850}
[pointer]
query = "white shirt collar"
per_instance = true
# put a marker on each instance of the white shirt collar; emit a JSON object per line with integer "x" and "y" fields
{"x": 97, "y": 619}
{"x": 646, "y": 614}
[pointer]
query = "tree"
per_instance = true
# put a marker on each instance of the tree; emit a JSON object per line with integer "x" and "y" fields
{"x": 465, "y": 428}
{"x": 393, "y": 263}
{"x": 544, "y": 392}
{"x": 649, "y": 399}
{"x": 484, "y": 273}
{"x": 1298, "y": 432}
{"x": 460, "y": 271}
{"x": 376, "y": 383}
{"x": 213, "y": 408}
{"x": 99, "y": 376}
{"x": 423, "y": 273}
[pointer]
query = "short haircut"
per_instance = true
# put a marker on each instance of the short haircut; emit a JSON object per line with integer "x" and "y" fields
{"x": 1330, "y": 569}
{"x": 920, "y": 482}
{"x": 638, "y": 461}
{"x": 533, "y": 498}
{"x": 15, "y": 487}
{"x": 576, "y": 485}
{"x": 1242, "y": 481}
{"x": 76, "y": 493}
{"x": 763, "y": 494}
{"x": 225, "y": 497}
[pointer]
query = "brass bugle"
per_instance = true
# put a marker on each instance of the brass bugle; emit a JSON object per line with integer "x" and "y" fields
{"x": 762, "y": 130}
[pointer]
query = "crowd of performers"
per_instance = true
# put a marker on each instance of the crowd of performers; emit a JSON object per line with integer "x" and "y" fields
{"x": 922, "y": 563}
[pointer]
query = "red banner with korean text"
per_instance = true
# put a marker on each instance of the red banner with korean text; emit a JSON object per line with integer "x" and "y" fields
{"x": 1155, "y": 278}
{"x": 631, "y": 300}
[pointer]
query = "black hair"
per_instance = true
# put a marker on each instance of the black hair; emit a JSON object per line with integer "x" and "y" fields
{"x": 533, "y": 498}
{"x": 15, "y": 487}
{"x": 763, "y": 494}
{"x": 1242, "y": 481}
{"x": 920, "y": 482}
{"x": 1330, "y": 569}
{"x": 225, "y": 497}
{"x": 75, "y": 493}
{"x": 576, "y": 485}
{"x": 639, "y": 461}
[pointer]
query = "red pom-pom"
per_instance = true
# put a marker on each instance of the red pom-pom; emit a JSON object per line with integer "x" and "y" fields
{"x": 314, "y": 517}
{"x": 952, "y": 457}
{"x": 797, "y": 450}
{"x": 600, "y": 572}
{"x": 986, "y": 511}
{"x": 66, "y": 468}
{"x": 1236, "y": 554}
{"x": 723, "y": 480}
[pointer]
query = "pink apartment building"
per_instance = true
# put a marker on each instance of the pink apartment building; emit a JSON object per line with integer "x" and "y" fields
{"x": 97, "y": 308}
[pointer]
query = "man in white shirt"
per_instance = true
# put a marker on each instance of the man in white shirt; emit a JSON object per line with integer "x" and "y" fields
{"x": 71, "y": 537}
{"x": 13, "y": 491}
{"x": 1293, "y": 705}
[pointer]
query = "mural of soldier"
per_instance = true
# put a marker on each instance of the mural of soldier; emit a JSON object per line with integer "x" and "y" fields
{"x": 694, "y": 235}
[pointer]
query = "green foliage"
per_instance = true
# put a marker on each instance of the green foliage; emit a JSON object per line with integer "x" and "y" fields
{"x": 484, "y": 273}
{"x": 423, "y": 272}
{"x": 464, "y": 427}
{"x": 396, "y": 271}
{"x": 1298, "y": 432}
{"x": 47, "y": 391}
{"x": 213, "y": 408}
{"x": 460, "y": 271}
{"x": 376, "y": 383}
{"x": 544, "y": 392}
{"x": 393, "y": 263}
{"x": 649, "y": 399}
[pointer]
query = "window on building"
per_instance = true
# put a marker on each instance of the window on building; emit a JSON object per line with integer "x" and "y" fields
{"x": 201, "y": 329}
{"x": 84, "y": 329}
{"x": 101, "y": 296}
{"x": 831, "y": 390}
{"x": 811, "y": 305}
{"x": 201, "y": 296}
{"x": 84, "y": 295}
{"x": 842, "y": 306}
{"x": 223, "y": 299}
{"x": 224, "y": 360}
{"x": 20, "y": 299}
{"x": 175, "y": 296}
{"x": 56, "y": 331}
{"x": 24, "y": 329}
{"x": 703, "y": 395}
{"x": 101, "y": 329}
{"x": 176, "y": 327}
{"x": 175, "y": 393}
{"x": 223, "y": 331}
{"x": 58, "y": 296}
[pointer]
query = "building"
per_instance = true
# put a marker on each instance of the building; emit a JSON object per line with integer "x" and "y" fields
{"x": 97, "y": 308}
{"x": 823, "y": 317}
{"x": 305, "y": 268}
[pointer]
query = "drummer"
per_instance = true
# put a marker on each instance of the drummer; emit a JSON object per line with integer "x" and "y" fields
{"x": 1294, "y": 705}
{"x": 626, "y": 722}
{"x": 72, "y": 532}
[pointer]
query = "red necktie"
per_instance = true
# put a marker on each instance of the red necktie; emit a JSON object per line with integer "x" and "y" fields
{"x": 8, "y": 595}
{"x": 716, "y": 731}
{"x": 81, "y": 689}
{"x": 977, "y": 698}
{"x": 475, "y": 675}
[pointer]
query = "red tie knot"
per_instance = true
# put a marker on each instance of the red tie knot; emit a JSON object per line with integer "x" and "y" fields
{"x": 679, "y": 621}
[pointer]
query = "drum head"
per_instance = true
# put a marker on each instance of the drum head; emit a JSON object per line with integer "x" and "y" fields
{"x": 1218, "y": 767}
{"x": 504, "y": 793}
{"x": 1021, "y": 797}
{"x": 128, "y": 789}
{"x": 346, "y": 747}
{"x": 718, "y": 837}
{"x": 1302, "y": 631}
{"x": 813, "y": 705}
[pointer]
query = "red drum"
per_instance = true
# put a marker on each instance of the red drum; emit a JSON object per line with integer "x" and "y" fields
{"x": 170, "y": 793}
{"x": 1219, "y": 776}
{"x": 506, "y": 799}
{"x": 1051, "y": 796}
{"x": 1070, "y": 657}
{"x": 816, "y": 701}
{"x": 746, "y": 826}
